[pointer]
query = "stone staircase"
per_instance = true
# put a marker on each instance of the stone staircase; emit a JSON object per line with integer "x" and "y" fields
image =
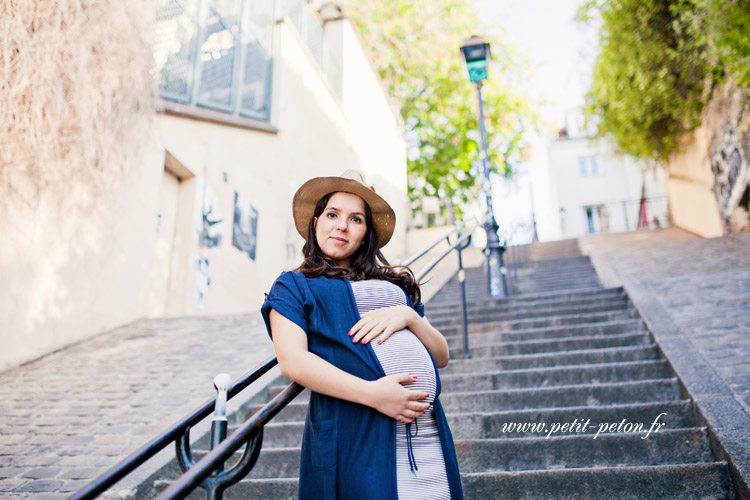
{"x": 549, "y": 367}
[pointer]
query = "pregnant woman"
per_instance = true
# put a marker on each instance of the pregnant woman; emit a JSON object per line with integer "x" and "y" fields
{"x": 351, "y": 328}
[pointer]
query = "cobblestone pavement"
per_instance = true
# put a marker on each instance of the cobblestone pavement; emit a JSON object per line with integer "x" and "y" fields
{"x": 72, "y": 414}
{"x": 704, "y": 284}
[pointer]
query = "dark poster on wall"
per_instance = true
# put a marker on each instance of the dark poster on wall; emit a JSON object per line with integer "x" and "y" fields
{"x": 245, "y": 226}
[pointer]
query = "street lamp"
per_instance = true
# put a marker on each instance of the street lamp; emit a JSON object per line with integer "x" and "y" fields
{"x": 477, "y": 55}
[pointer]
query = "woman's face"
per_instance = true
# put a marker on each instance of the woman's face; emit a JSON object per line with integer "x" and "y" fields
{"x": 341, "y": 228}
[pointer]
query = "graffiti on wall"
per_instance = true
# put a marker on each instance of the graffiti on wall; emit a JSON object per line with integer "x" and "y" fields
{"x": 729, "y": 163}
{"x": 202, "y": 281}
{"x": 208, "y": 216}
{"x": 245, "y": 226}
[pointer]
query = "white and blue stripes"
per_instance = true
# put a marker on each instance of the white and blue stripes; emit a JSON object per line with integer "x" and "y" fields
{"x": 420, "y": 466}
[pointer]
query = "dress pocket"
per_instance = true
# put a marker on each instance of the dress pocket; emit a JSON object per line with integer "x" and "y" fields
{"x": 323, "y": 444}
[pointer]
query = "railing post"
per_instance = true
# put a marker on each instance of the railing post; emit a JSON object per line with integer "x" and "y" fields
{"x": 222, "y": 382}
{"x": 462, "y": 286}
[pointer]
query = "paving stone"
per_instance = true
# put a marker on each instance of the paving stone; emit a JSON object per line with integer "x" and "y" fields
{"x": 40, "y": 460}
{"x": 41, "y": 485}
{"x": 42, "y": 472}
{"x": 11, "y": 483}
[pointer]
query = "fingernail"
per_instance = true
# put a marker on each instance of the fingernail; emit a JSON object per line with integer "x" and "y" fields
{"x": 364, "y": 341}
{"x": 350, "y": 333}
{"x": 428, "y": 395}
{"x": 415, "y": 377}
{"x": 354, "y": 340}
{"x": 380, "y": 341}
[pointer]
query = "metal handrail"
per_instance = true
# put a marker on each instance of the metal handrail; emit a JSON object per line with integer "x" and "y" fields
{"x": 466, "y": 236}
{"x": 421, "y": 254}
{"x": 209, "y": 470}
{"x": 127, "y": 465}
{"x": 252, "y": 429}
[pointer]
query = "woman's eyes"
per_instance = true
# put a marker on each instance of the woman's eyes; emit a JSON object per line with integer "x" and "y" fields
{"x": 333, "y": 215}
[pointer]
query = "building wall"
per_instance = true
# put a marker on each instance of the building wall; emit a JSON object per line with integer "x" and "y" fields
{"x": 690, "y": 185}
{"x": 619, "y": 179}
{"x": 70, "y": 275}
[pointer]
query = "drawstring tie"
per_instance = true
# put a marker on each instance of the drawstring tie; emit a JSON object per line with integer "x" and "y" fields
{"x": 410, "y": 451}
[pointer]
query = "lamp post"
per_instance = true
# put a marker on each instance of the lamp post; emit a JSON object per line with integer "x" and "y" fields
{"x": 476, "y": 53}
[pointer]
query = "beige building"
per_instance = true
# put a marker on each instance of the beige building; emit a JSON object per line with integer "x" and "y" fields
{"x": 254, "y": 99}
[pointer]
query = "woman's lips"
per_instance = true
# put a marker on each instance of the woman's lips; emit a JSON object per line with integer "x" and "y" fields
{"x": 338, "y": 240}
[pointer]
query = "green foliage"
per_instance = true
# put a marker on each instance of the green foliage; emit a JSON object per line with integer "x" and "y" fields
{"x": 657, "y": 62}
{"x": 414, "y": 45}
{"x": 726, "y": 32}
{"x": 648, "y": 77}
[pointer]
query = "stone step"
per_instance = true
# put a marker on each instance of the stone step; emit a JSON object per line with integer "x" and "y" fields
{"x": 585, "y": 356}
{"x": 547, "y": 321}
{"x": 555, "y": 376}
{"x": 563, "y": 320}
{"x": 449, "y": 295}
{"x": 539, "y": 377}
{"x": 449, "y": 310}
{"x": 536, "y": 423}
{"x": 296, "y": 410}
{"x": 517, "y": 454}
{"x": 568, "y": 281}
{"x": 494, "y": 336}
{"x": 701, "y": 481}
{"x": 534, "y": 312}
{"x": 641, "y": 391}
{"x": 549, "y": 421}
{"x": 478, "y": 286}
{"x": 667, "y": 446}
{"x": 556, "y": 345}
{"x": 536, "y": 377}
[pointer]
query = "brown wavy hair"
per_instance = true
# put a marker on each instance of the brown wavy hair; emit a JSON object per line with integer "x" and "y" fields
{"x": 367, "y": 263}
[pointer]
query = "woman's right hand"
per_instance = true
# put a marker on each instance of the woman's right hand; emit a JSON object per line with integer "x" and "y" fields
{"x": 391, "y": 398}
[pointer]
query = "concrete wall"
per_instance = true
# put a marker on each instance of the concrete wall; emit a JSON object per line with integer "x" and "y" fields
{"x": 690, "y": 185}
{"x": 68, "y": 275}
{"x": 711, "y": 172}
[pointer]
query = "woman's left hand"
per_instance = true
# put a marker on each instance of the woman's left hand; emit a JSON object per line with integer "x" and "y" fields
{"x": 381, "y": 323}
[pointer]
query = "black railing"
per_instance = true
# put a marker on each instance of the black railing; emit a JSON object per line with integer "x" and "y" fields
{"x": 127, "y": 465}
{"x": 209, "y": 472}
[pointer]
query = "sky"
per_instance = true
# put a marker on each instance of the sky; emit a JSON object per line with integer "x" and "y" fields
{"x": 559, "y": 51}
{"x": 559, "y": 54}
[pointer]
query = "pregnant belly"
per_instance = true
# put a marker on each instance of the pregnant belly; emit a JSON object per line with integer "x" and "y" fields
{"x": 402, "y": 352}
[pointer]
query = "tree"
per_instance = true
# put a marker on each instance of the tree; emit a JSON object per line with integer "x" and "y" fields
{"x": 657, "y": 62}
{"x": 414, "y": 45}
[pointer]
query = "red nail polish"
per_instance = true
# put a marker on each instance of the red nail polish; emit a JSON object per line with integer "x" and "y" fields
{"x": 415, "y": 377}
{"x": 354, "y": 340}
{"x": 364, "y": 341}
{"x": 380, "y": 341}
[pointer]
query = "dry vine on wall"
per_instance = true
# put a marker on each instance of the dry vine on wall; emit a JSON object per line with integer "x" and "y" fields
{"x": 76, "y": 94}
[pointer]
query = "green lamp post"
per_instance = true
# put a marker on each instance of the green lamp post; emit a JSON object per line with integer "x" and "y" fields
{"x": 476, "y": 53}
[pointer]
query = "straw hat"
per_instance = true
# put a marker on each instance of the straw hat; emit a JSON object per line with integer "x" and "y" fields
{"x": 351, "y": 181}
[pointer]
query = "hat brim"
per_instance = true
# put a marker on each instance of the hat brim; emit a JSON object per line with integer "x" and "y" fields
{"x": 308, "y": 196}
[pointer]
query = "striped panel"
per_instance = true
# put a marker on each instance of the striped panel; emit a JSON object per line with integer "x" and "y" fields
{"x": 402, "y": 352}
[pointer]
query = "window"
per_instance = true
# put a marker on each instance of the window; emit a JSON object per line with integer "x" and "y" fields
{"x": 588, "y": 166}
{"x": 215, "y": 54}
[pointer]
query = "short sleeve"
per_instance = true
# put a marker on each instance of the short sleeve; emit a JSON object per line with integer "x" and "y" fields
{"x": 288, "y": 300}
{"x": 420, "y": 309}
